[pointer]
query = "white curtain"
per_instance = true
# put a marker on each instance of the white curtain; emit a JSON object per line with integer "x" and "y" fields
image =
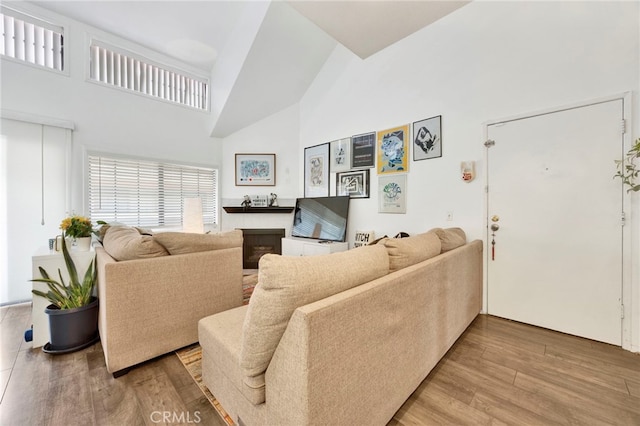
{"x": 33, "y": 199}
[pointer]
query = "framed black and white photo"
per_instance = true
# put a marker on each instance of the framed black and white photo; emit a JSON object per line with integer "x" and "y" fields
{"x": 354, "y": 184}
{"x": 340, "y": 152}
{"x": 316, "y": 171}
{"x": 363, "y": 148}
{"x": 392, "y": 193}
{"x": 255, "y": 169}
{"x": 427, "y": 138}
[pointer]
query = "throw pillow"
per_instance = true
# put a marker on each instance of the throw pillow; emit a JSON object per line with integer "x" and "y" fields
{"x": 451, "y": 238}
{"x": 408, "y": 251}
{"x": 126, "y": 243}
{"x": 183, "y": 242}
{"x": 287, "y": 282}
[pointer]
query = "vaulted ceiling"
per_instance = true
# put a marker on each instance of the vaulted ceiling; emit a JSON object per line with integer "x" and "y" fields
{"x": 261, "y": 55}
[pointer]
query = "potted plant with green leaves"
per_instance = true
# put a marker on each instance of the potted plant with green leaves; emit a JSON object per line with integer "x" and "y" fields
{"x": 80, "y": 229}
{"x": 627, "y": 169}
{"x": 73, "y": 313}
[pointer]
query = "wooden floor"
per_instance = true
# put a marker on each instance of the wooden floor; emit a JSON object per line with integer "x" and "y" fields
{"x": 499, "y": 372}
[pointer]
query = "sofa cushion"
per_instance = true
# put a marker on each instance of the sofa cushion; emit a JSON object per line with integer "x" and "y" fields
{"x": 126, "y": 243}
{"x": 287, "y": 282}
{"x": 218, "y": 335}
{"x": 408, "y": 251}
{"x": 184, "y": 242}
{"x": 451, "y": 238}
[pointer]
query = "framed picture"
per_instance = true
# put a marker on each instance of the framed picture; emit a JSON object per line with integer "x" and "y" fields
{"x": 392, "y": 194}
{"x": 255, "y": 169}
{"x": 354, "y": 183}
{"x": 363, "y": 150}
{"x": 393, "y": 150}
{"x": 427, "y": 138}
{"x": 340, "y": 152}
{"x": 316, "y": 171}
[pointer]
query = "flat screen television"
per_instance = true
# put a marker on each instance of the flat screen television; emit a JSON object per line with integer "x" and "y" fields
{"x": 322, "y": 218}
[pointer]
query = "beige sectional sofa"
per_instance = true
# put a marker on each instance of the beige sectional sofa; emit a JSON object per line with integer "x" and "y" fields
{"x": 344, "y": 338}
{"x": 154, "y": 289}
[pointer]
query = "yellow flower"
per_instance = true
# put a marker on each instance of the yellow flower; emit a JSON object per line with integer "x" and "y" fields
{"x": 77, "y": 226}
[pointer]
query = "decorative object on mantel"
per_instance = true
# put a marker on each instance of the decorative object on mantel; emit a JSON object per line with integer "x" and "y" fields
{"x": 246, "y": 202}
{"x": 73, "y": 313}
{"x": 259, "y": 200}
{"x": 627, "y": 170}
{"x": 273, "y": 200}
{"x": 80, "y": 229}
{"x": 274, "y": 209}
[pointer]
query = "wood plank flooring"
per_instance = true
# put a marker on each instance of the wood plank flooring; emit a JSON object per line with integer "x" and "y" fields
{"x": 499, "y": 372}
{"x": 504, "y": 372}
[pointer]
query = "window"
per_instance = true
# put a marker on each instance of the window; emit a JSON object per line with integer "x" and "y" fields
{"x": 148, "y": 193}
{"x": 123, "y": 69}
{"x": 31, "y": 40}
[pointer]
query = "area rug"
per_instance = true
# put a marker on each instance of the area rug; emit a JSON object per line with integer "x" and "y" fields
{"x": 191, "y": 356}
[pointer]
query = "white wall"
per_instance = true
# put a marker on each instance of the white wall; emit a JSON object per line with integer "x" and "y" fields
{"x": 106, "y": 119}
{"x": 277, "y": 134}
{"x": 486, "y": 60}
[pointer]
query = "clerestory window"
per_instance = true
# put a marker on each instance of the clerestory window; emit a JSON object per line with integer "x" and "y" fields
{"x": 126, "y": 70}
{"x": 32, "y": 40}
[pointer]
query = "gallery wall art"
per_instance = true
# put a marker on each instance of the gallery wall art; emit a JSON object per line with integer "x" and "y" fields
{"x": 393, "y": 150}
{"x": 340, "y": 153}
{"x": 316, "y": 171}
{"x": 427, "y": 138}
{"x": 363, "y": 150}
{"x": 392, "y": 194}
{"x": 255, "y": 169}
{"x": 354, "y": 183}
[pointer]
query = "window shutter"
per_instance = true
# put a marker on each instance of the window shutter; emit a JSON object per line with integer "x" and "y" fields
{"x": 147, "y": 193}
{"x": 126, "y": 70}
{"x": 31, "y": 40}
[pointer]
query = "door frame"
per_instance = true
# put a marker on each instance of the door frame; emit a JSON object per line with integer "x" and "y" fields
{"x": 630, "y": 274}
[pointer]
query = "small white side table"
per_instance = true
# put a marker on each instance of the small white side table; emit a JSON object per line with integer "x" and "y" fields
{"x": 51, "y": 261}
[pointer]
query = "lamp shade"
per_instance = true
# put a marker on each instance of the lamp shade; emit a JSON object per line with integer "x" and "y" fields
{"x": 192, "y": 220}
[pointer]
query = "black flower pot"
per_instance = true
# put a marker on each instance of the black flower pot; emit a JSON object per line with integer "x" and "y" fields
{"x": 72, "y": 329}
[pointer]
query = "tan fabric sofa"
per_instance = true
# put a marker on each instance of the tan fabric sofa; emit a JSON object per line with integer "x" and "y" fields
{"x": 339, "y": 339}
{"x": 150, "y": 306}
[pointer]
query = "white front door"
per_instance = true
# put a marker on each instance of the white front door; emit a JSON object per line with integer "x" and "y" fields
{"x": 557, "y": 258}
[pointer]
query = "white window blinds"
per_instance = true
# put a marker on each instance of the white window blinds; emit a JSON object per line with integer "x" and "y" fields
{"x": 127, "y": 71}
{"x": 147, "y": 193}
{"x": 31, "y": 40}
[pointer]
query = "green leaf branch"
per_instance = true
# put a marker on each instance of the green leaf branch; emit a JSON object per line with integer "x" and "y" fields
{"x": 627, "y": 168}
{"x": 74, "y": 294}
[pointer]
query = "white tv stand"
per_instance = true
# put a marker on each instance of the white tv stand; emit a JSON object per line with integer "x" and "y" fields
{"x": 293, "y": 246}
